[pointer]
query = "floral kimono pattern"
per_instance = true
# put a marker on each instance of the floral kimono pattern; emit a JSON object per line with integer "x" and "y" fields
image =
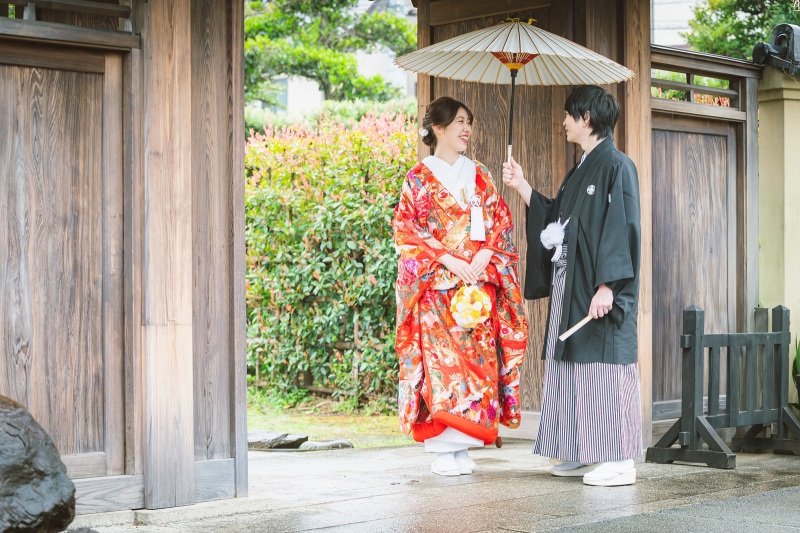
{"x": 451, "y": 376}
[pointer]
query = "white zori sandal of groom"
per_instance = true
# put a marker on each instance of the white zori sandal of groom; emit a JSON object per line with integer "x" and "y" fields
{"x": 612, "y": 474}
{"x": 571, "y": 469}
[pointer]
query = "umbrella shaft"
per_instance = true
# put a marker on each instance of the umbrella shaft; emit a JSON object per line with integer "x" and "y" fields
{"x": 511, "y": 108}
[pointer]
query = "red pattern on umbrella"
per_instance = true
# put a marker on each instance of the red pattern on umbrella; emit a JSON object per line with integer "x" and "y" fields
{"x": 514, "y": 60}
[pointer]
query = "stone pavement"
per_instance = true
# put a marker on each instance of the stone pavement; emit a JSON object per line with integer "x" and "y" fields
{"x": 393, "y": 490}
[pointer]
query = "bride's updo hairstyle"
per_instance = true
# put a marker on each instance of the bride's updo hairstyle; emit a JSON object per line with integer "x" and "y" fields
{"x": 440, "y": 112}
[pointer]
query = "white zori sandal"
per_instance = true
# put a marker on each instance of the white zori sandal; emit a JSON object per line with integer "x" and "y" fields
{"x": 612, "y": 474}
{"x": 445, "y": 464}
{"x": 465, "y": 463}
{"x": 571, "y": 469}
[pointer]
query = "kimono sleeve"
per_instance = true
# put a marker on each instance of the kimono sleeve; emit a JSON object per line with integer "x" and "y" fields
{"x": 620, "y": 242}
{"x": 539, "y": 269}
{"x": 417, "y": 247}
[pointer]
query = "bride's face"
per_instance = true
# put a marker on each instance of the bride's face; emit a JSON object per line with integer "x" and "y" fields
{"x": 455, "y": 135}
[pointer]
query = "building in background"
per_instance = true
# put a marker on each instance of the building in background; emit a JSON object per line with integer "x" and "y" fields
{"x": 670, "y": 18}
{"x": 382, "y": 62}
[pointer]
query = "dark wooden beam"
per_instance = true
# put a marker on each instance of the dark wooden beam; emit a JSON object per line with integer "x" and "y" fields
{"x": 54, "y": 33}
{"x": 448, "y": 11}
{"x": 85, "y": 6}
{"x": 703, "y": 64}
{"x": 43, "y": 56}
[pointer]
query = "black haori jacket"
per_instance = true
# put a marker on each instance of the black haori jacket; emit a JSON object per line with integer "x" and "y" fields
{"x": 603, "y": 246}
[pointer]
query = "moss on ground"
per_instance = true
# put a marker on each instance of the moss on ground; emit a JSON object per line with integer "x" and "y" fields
{"x": 324, "y": 419}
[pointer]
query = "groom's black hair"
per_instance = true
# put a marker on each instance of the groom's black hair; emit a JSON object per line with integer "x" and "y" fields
{"x": 602, "y": 107}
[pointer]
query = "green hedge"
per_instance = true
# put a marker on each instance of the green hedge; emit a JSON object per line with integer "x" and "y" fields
{"x": 319, "y": 205}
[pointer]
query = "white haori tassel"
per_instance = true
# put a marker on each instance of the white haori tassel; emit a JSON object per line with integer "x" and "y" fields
{"x": 553, "y": 237}
{"x": 477, "y": 230}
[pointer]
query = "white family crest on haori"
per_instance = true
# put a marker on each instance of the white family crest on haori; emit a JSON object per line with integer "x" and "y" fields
{"x": 590, "y": 190}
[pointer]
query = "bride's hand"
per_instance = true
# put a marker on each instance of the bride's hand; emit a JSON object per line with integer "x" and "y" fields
{"x": 459, "y": 267}
{"x": 481, "y": 261}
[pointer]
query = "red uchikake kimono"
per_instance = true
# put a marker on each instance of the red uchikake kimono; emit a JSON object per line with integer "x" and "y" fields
{"x": 450, "y": 376}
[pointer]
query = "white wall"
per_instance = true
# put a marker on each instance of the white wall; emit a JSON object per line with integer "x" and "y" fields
{"x": 302, "y": 95}
{"x": 669, "y": 17}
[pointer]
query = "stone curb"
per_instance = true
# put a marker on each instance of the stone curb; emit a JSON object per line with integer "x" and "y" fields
{"x": 163, "y": 517}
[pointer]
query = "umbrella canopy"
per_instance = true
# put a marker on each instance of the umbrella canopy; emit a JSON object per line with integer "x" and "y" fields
{"x": 538, "y": 56}
{"x": 514, "y": 52}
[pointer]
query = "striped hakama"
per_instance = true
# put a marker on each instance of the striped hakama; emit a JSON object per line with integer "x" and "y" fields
{"x": 591, "y": 412}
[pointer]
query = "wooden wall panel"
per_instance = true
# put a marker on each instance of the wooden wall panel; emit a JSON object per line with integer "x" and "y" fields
{"x": 51, "y": 267}
{"x": 167, "y": 282}
{"x": 532, "y": 116}
{"x": 693, "y": 216}
{"x": 211, "y": 194}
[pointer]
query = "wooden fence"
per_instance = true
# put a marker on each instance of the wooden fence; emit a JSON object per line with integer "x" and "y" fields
{"x": 755, "y": 386}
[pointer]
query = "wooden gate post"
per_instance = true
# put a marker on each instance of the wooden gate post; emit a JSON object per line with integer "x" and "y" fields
{"x": 167, "y": 322}
{"x": 692, "y": 362}
{"x": 780, "y": 324}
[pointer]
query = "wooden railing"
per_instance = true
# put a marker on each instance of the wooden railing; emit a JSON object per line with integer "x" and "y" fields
{"x": 54, "y": 22}
{"x": 728, "y": 101}
{"x": 756, "y": 381}
{"x": 28, "y": 9}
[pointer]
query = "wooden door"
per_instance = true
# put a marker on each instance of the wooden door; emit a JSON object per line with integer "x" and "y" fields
{"x": 695, "y": 256}
{"x": 61, "y": 249}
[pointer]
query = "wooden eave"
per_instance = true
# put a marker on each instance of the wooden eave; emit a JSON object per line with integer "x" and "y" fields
{"x": 699, "y": 62}
{"x": 449, "y": 11}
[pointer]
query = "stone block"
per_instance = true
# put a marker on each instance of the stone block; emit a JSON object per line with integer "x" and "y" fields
{"x": 35, "y": 492}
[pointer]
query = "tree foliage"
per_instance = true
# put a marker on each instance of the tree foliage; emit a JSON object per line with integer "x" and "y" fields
{"x": 317, "y": 39}
{"x": 733, "y": 27}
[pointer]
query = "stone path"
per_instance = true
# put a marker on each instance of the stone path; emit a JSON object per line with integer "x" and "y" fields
{"x": 511, "y": 490}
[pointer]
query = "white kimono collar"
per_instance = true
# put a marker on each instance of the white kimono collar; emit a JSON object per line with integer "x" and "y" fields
{"x": 458, "y": 178}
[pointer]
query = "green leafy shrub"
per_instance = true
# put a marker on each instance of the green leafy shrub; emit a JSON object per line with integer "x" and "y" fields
{"x": 320, "y": 253}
